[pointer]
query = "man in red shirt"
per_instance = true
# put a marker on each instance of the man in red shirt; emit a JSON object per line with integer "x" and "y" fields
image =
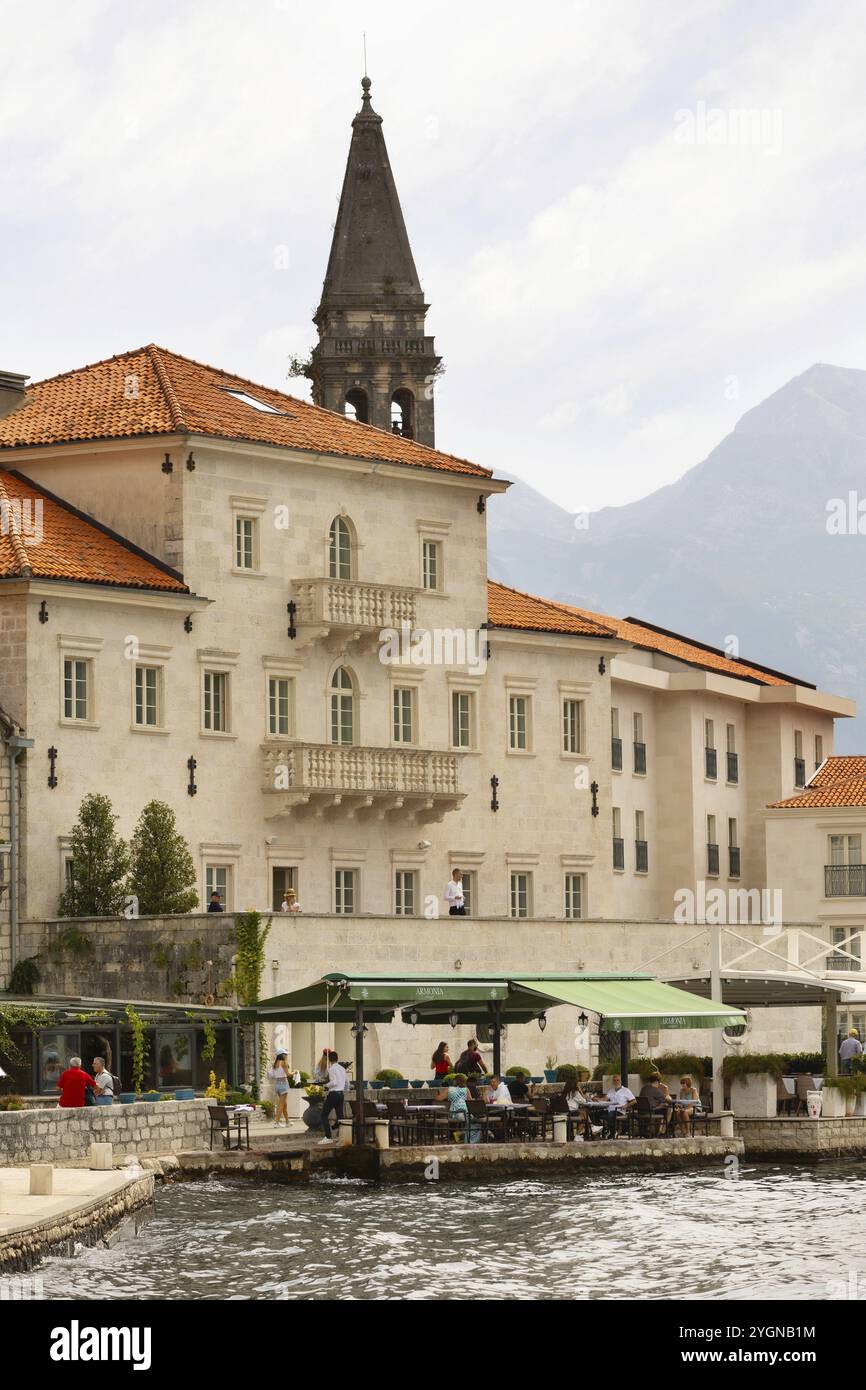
{"x": 72, "y": 1084}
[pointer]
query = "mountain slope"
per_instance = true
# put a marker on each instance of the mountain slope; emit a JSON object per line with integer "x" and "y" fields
{"x": 738, "y": 547}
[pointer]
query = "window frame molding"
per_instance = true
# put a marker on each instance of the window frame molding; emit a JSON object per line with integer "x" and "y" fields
{"x": 248, "y": 507}
{"x": 213, "y": 660}
{"x": 430, "y": 529}
{"x": 86, "y": 649}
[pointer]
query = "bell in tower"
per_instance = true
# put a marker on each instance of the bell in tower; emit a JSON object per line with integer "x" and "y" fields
{"x": 373, "y": 360}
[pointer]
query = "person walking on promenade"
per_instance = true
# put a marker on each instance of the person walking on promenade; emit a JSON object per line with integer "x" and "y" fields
{"x": 851, "y": 1048}
{"x": 338, "y": 1080}
{"x": 103, "y": 1078}
{"x": 279, "y": 1074}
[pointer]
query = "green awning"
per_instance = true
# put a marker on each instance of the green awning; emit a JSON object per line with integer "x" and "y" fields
{"x": 638, "y": 1001}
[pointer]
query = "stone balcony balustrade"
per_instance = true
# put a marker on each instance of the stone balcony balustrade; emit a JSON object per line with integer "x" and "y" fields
{"x": 347, "y": 610}
{"x": 418, "y": 784}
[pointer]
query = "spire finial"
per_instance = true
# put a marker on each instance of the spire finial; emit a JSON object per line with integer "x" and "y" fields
{"x": 366, "y": 84}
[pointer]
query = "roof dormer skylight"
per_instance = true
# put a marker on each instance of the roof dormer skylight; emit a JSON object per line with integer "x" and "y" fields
{"x": 253, "y": 402}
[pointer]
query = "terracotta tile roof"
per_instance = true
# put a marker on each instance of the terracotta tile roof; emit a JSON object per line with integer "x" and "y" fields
{"x": 42, "y": 537}
{"x": 510, "y": 608}
{"x": 151, "y": 391}
{"x": 513, "y": 609}
{"x": 839, "y": 781}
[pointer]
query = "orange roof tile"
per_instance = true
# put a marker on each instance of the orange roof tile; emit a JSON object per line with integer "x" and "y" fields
{"x": 510, "y": 608}
{"x": 151, "y": 391}
{"x": 42, "y": 537}
{"x": 513, "y": 609}
{"x": 839, "y": 781}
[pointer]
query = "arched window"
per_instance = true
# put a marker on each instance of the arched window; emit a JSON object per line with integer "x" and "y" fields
{"x": 356, "y": 407}
{"x": 340, "y": 549}
{"x": 403, "y": 413}
{"x": 342, "y": 707}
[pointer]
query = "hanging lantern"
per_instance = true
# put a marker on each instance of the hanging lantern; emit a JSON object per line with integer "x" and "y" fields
{"x": 454, "y": 1018}
{"x": 542, "y": 1021}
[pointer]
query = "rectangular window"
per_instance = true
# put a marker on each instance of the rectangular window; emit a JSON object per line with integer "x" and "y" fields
{"x": 467, "y": 880}
{"x": 403, "y": 725}
{"x": 639, "y": 745}
{"x": 733, "y": 770}
{"x": 431, "y": 568}
{"x": 216, "y": 689}
{"x": 572, "y": 726}
{"x": 404, "y": 893}
{"x": 245, "y": 543}
{"x": 574, "y": 896}
{"x": 618, "y": 841}
{"x": 733, "y": 849}
{"x": 283, "y": 877}
{"x": 712, "y": 848}
{"x": 710, "y": 757}
{"x": 345, "y": 886}
{"x": 462, "y": 712}
{"x": 521, "y": 894}
{"x": 850, "y": 943}
{"x": 218, "y": 879}
{"x": 799, "y": 760}
{"x": 615, "y": 741}
{"x": 845, "y": 875}
{"x": 641, "y": 848}
{"x": 147, "y": 681}
{"x": 819, "y": 751}
{"x": 76, "y": 679}
{"x": 518, "y": 722}
{"x": 279, "y": 705}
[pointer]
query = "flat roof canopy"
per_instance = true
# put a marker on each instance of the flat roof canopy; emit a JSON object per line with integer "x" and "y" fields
{"x": 768, "y": 989}
{"x": 622, "y": 1002}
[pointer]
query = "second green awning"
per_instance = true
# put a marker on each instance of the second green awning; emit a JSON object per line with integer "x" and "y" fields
{"x": 639, "y": 1002}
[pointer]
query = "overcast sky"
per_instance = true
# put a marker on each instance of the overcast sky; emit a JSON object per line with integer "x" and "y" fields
{"x": 619, "y": 262}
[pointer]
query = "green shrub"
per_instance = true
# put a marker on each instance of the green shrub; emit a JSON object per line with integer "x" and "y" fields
{"x": 681, "y": 1063}
{"x": 804, "y": 1063}
{"x": 848, "y": 1085}
{"x": 11, "y": 1103}
{"x": 518, "y": 1071}
{"x": 267, "y": 1106}
{"x": 389, "y": 1074}
{"x": 752, "y": 1064}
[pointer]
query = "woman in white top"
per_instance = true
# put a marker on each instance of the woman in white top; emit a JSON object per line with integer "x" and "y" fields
{"x": 279, "y": 1074}
{"x": 290, "y": 902}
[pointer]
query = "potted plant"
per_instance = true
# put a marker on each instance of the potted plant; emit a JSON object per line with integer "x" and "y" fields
{"x": 416, "y": 1085}
{"x": 151, "y": 1096}
{"x": 127, "y": 1097}
{"x": 752, "y": 1077}
{"x": 839, "y": 1096}
{"x": 550, "y": 1070}
{"x": 312, "y": 1116}
{"x": 388, "y": 1077}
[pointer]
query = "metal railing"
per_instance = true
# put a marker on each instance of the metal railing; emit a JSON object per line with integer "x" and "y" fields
{"x": 712, "y": 860}
{"x": 733, "y": 767}
{"x": 640, "y": 757}
{"x": 641, "y": 856}
{"x": 616, "y": 754}
{"x": 733, "y": 861}
{"x": 799, "y": 772}
{"x": 845, "y": 880}
{"x": 618, "y": 852}
{"x": 711, "y": 763}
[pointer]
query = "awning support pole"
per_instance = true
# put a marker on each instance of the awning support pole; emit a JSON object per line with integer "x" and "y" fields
{"x": 360, "y": 1126}
{"x": 715, "y": 932}
{"x": 497, "y": 1040}
{"x": 831, "y": 1027}
{"x": 624, "y": 1050}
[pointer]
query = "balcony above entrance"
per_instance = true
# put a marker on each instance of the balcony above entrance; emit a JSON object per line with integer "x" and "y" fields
{"x": 339, "y": 610}
{"x": 318, "y": 779}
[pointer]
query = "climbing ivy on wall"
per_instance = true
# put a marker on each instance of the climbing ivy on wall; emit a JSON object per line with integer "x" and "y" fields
{"x": 250, "y": 936}
{"x": 137, "y": 1027}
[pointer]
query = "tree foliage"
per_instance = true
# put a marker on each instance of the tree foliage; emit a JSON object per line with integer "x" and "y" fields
{"x": 100, "y": 863}
{"x": 163, "y": 874}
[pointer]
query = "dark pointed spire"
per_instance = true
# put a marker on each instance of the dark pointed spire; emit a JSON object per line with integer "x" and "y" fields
{"x": 373, "y": 350}
{"x": 370, "y": 251}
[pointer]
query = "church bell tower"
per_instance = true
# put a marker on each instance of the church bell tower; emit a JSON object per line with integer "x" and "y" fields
{"x": 373, "y": 359}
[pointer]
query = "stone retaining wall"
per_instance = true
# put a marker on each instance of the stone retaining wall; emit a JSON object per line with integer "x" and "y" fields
{"x": 65, "y": 1136}
{"x": 794, "y": 1140}
{"x": 59, "y": 1235}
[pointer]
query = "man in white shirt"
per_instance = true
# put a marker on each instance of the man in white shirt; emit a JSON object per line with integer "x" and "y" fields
{"x": 499, "y": 1092}
{"x": 338, "y": 1080}
{"x": 619, "y": 1098}
{"x": 103, "y": 1078}
{"x": 454, "y": 895}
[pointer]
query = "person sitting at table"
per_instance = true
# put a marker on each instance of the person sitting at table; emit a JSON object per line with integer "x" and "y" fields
{"x": 573, "y": 1095}
{"x": 518, "y": 1089}
{"x": 689, "y": 1099}
{"x": 498, "y": 1093}
{"x": 656, "y": 1092}
{"x": 458, "y": 1097}
{"x": 619, "y": 1099}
